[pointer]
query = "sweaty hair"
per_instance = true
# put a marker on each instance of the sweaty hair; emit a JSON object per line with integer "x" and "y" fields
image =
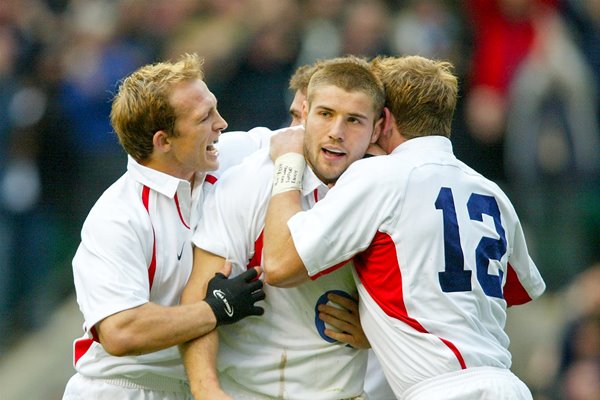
{"x": 350, "y": 73}
{"x": 421, "y": 93}
{"x": 141, "y": 106}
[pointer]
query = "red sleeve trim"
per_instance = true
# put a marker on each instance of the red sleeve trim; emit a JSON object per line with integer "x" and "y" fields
{"x": 328, "y": 270}
{"x": 514, "y": 292}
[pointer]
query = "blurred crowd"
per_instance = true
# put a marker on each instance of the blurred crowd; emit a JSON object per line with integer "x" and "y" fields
{"x": 528, "y": 116}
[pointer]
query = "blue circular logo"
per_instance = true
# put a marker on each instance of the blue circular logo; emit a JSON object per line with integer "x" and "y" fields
{"x": 319, "y": 323}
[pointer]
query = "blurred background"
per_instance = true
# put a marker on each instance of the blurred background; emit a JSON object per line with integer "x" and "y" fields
{"x": 527, "y": 118}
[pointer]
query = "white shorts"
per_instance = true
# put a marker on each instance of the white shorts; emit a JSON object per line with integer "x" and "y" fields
{"x": 481, "y": 383}
{"x": 80, "y": 387}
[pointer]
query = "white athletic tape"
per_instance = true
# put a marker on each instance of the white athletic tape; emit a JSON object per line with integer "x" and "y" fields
{"x": 288, "y": 172}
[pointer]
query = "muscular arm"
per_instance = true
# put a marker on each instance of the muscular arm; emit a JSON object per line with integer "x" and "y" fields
{"x": 282, "y": 265}
{"x": 152, "y": 327}
{"x": 200, "y": 354}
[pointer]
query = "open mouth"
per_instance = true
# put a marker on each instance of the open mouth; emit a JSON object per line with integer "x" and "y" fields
{"x": 212, "y": 150}
{"x": 331, "y": 152}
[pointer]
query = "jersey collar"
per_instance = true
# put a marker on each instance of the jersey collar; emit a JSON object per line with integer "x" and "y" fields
{"x": 310, "y": 182}
{"x": 159, "y": 181}
{"x": 436, "y": 142}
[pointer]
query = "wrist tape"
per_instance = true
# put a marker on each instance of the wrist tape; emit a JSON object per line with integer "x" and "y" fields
{"x": 288, "y": 172}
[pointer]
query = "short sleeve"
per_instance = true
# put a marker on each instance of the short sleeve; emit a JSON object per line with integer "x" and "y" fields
{"x": 110, "y": 267}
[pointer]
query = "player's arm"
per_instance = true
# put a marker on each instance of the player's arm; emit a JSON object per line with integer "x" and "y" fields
{"x": 125, "y": 322}
{"x": 199, "y": 355}
{"x": 281, "y": 262}
{"x": 151, "y": 327}
{"x": 315, "y": 242}
{"x": 282, "y": 265}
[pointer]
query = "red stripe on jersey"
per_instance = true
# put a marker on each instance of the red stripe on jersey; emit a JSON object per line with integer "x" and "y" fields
{"x": 210, "y": 179}
{"x": 179, "y": 211}
{"x": 316, "y": 194}
{"x": 328, "y": 270}
{"x": 81, "y": 347}
{"x": 256, "y": 259}
{"x": 152, "y": 266}
{"x": 379, "y": 272}
{"x": 514, "y": 292}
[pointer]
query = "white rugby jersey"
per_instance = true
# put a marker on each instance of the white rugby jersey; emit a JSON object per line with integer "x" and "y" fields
{"x": 135, "y": 248}
{"x": 284, "y": 353}
{"x": 439, "y": 253}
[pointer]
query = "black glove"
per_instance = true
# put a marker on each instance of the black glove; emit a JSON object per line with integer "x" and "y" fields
{"x": 233, "y": 299}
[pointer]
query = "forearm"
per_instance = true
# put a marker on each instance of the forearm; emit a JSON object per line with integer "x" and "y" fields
{"x": 200, "y": 360}
{"x": 200, "y": 354}
{"x": 152, "y": 327}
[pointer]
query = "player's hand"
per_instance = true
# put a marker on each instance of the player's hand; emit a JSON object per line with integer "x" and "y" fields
{"x": 288, "y": 140}
{"x": 345, "y": 320}
{"x": 233, "y": 299}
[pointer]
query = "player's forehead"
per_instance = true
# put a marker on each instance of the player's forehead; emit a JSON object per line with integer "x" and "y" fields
{"x": 192, "y": 97}
{"x": 335, "y": 98}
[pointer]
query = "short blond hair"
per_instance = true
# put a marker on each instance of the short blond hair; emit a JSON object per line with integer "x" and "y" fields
{"x": 420, "y": 93}
{"x": 299, "y": 81}
{"x": 141, "y": 106}
{"x": 350, "y": 73}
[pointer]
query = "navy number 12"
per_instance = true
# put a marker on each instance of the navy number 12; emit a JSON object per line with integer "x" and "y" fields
{"x": 455, "y": 278}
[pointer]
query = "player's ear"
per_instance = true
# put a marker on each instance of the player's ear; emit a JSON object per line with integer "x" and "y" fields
{"x": 304, "y": 111}
{"x": 161, "y": 141}
{"x": 388, "y": 120}
{"x": 380, "y": 125}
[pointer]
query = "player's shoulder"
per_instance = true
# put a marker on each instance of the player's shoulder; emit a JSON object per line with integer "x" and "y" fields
{"x": 369, "y": 165}
{"x": 254, "y": 166}
{"x": 488, "y": 186}
{"x": 120, "y": 203}
{"x": 377, "y": 170}
{"x": 253, "y": 139}
{"x": 246, "y": 180}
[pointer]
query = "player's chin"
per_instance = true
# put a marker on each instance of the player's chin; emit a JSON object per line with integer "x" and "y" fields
{"x": 210, "y": 164}
{"x": 332, "y": 176}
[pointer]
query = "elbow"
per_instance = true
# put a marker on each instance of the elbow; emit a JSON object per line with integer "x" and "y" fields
{"x": 271, "y": 269}
{"x": 118, "y": 342}
{"x": 273, "y": 278}
{"x": 283, "y": 274}
{"x": 117, "y": 346}
{"x": 275, "y": 273}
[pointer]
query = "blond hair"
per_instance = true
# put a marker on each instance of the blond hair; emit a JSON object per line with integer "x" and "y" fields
{"x": 301, "y": 77}
{"x": 421, "y": 93}
{"x": 350, "y": 73}
{"x": 141, "y": 106}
